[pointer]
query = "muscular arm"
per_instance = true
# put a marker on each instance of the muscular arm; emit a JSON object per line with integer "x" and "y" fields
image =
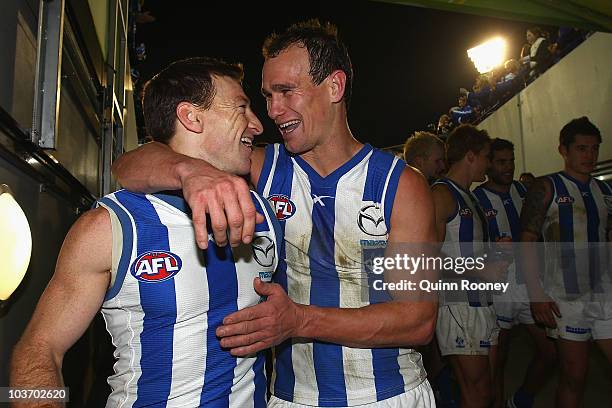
{"x": 533, "y": 215}
{"x": 396, "y": 323}
{"x": 208, "y": 190}
{"x": 69, "y": 303}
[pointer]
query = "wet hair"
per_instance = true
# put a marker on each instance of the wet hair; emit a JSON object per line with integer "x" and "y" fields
{"x": 189, "y": 80}
{"x": 579, "y": 126}
{"x": 500, "y": 144}
{"x": 326, "y": 53}
{"x": 465, "y": 138}
{"x": 420, "y": 145}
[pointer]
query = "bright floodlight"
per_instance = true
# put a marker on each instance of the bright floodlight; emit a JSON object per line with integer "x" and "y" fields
{"x": 15, "y": 241}
{"x": 488, "y": 55}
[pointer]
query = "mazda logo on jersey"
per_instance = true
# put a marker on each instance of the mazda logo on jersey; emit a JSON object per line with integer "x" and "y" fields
{"x": 263, "y": 250}
{"x": 371, "y": 221}
{"x": 282, "y": 205}
{"x": 156, "y": 266}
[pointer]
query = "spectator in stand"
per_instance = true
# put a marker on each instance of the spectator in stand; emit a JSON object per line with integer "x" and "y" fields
{"x": 425, "y": 152}
{"x": 482, "y": 95}
{"x": 539, "y": 58}
{"x": 444, "y": 126}
{"x": 463, "y": 113}
{"x": 568, "y": 38}
{"x": 527, "y": 179}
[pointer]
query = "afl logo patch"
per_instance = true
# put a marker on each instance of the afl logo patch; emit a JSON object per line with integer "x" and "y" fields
{"x": 371, "y": 221}
{"x": 465, "y": 212}
{"x": 492, "y": 213}
{"x": 263, "y": 250}
{"x": 565, "y": 200}
{"x": 156, "y": 266}
{"x": 282, "y": 205}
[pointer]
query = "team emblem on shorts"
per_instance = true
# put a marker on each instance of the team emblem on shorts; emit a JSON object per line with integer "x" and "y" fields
{"x": 156, "y": 266}
{"x": 263, "y": 250}
{"x": 371, "y": 221}
{"x": 460, "y": 342}
{"x": 565, "y": 200}
{"x": 282, "y": 205}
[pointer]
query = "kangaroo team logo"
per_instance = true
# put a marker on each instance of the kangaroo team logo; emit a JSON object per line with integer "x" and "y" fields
{"x": 156, "y": 266}
{"x": 371, "y": 221}
{"x": 263, "y": 250}
{"x": 283, "y": 207}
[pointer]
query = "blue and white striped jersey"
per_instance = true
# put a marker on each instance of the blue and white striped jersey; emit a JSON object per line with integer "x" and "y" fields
{"x": 466, "y": 236}
{"x": 576, "y": 221}
{"x": 503, "y": 212}
{"x": 168, "y": 297}
{"x": 325, "y": 221}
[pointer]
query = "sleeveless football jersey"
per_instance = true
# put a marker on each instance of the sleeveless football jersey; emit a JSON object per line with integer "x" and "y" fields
{"x": 575, "y": 228}
{"x": 466, "y": 236}
{"x": 503, "y": 211}
{"x": 168, "y": 297}
{"x": 325, "y": 221}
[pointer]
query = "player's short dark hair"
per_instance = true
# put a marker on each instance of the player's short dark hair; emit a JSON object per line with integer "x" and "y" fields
{"x": 498, "y": 144}
{"x": 579, "y": 126}
{"x": 189, "y": 80}
{"x": 465, "y": 138}
{"x": 326, "y": 53}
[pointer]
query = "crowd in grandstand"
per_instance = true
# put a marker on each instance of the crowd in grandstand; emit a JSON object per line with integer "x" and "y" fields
{"x": 492, "y": 89}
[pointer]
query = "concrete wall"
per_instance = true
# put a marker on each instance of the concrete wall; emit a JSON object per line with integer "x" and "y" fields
{"x": 579, "y": 85}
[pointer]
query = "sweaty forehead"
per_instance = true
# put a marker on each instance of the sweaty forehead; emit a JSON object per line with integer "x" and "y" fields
{"x": 228, "y": 90}
{"x": 291, "y": 65}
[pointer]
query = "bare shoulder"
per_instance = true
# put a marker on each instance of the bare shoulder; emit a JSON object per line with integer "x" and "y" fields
{"x": 412, "y": 181}
{"x": 442, "y": 194}
{"x": 89, "y": 241}
{"x": 92, "y": 222}
{"x": 533, "y": 214}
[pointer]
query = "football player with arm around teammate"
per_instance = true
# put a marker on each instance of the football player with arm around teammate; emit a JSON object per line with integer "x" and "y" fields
{"x": 571, "y": 210}
{"x": 501, "y": 198}
{"x": 467, "y": 329}
{"x": 135, "y": 257}
{"x": 331, "y": 193}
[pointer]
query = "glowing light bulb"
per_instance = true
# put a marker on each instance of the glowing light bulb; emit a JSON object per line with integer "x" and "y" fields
{"x": 488, "y": 55}
{"x": 15, "y": 241}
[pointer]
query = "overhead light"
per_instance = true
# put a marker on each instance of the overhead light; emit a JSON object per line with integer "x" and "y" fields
{"x": 488, "y": 55}
{"x": 15, "y": 241}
